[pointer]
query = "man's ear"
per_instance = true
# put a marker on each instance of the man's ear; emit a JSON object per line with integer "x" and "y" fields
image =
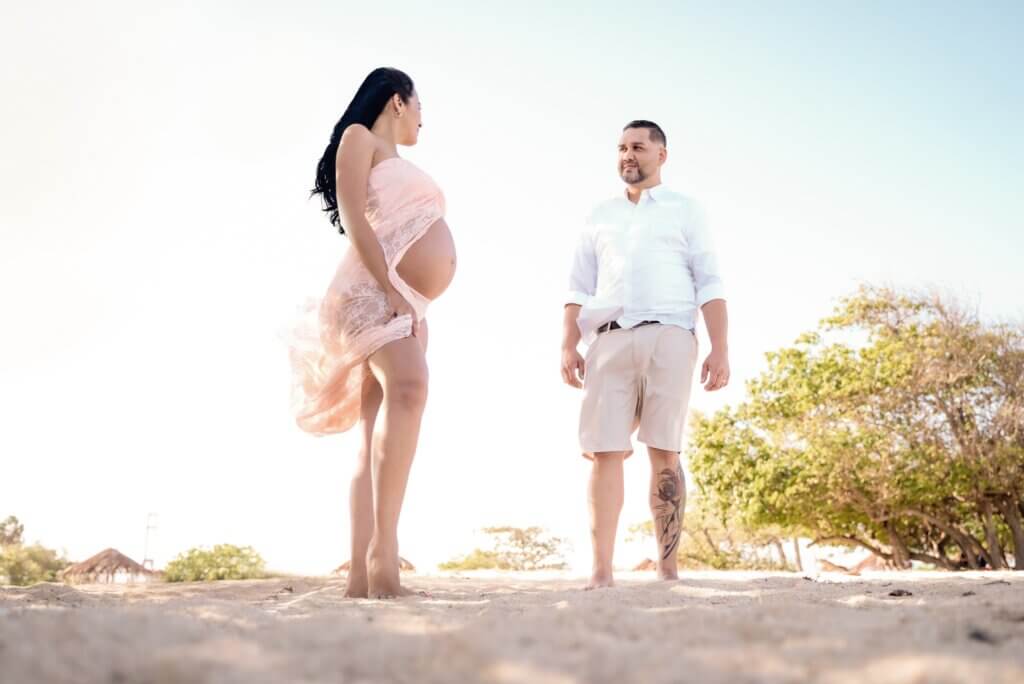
{"x": 663, "y": 154}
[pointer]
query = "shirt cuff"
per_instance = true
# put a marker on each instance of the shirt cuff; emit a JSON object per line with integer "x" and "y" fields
{"x": 579, "y": 298}
{"x": 710, "y": 292}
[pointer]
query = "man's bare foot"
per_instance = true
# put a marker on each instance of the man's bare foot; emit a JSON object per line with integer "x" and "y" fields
{"x": 667, "y": 575}
{"x": 600, "y": 581}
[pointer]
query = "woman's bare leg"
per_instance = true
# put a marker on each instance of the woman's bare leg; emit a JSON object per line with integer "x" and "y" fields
{"x": 361, "y": 490}
{"x": 401, "y": 370}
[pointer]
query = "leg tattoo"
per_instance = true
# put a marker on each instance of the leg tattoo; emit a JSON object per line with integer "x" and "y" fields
{"x": 668, "y": 516}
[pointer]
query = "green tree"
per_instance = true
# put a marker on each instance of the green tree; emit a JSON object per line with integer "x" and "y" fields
{"x": 222, "y": 562}
{"x": 11, "y": 531}
{"x": 23, "y": 565}
{"x": 711, "y": 541}
{"x": 897, "y": 426}
{"x": 514, "y": 548}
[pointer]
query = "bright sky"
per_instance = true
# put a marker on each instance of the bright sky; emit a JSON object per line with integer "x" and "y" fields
{"x": 157, "y": 234}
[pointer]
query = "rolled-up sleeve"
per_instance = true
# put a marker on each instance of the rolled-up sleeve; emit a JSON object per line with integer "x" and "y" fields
{"x": 702, "y": 260}
{"x": 583, "y": 276}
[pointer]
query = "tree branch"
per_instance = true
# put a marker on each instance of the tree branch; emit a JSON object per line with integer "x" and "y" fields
{"x": 964, "y": 540}
{"x": 855, "y": 541}
{"x": 934, "y": 560}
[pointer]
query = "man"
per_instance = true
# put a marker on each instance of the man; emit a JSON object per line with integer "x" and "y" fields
{"x": 642, "y": 269}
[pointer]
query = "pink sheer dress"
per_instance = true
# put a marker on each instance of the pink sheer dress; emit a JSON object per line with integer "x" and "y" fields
{"x": 330, "y": 347}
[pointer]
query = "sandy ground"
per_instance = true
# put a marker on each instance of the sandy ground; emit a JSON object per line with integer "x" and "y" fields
{"x": 709, "y": 627}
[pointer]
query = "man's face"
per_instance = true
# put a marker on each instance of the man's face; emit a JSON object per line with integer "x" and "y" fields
{"x": 639, "y": 157}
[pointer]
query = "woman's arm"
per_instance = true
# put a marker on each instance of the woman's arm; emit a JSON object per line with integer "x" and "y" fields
{"x": 352, "y": 169}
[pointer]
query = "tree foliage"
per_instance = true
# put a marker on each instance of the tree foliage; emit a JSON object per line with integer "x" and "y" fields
{"x": 22, "y": 564}
{"x": 514, "y": 548}
{"x": 222, "y": 562}
{"x": 11, "y": 531}
{"x": 898, "y": 426}
{"x": 711, "y": 541}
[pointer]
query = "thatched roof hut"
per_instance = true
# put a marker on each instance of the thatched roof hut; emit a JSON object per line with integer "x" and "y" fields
{"x": 645, "y": 564}
{"x": 403, "y": 566}
{"x": 107, "y": 566}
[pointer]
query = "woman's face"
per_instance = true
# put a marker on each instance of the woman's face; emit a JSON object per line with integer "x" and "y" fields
{"x": 410, "y": 121}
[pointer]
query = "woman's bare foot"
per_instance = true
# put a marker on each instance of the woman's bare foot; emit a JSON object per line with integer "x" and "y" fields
{"x": 357, "y": 585}
{"x": 600, "y": 580}
{"x": 382, "y": 573}
{"x": 401, "y": 592}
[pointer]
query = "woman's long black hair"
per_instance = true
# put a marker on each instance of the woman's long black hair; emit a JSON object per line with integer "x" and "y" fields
{"x": 364, "y": 109}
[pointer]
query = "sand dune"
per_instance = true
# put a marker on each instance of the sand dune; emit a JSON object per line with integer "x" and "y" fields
{"x": 709, "y": 627}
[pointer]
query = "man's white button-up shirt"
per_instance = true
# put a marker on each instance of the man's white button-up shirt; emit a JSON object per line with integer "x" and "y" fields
{"x": 649, "y": 261}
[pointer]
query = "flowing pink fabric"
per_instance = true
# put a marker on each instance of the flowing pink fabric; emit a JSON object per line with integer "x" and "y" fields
{"x": 336, "y": 335}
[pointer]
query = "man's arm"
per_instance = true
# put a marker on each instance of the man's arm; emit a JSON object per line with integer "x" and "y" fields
{"x": 714, "y": 374}
{"x": 707, "y": 278}
{"x": 573, "y": 367}
{"x": 582, "y": 285}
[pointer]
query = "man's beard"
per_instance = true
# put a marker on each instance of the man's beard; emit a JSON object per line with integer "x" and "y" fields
{"x": 633, "y": 175}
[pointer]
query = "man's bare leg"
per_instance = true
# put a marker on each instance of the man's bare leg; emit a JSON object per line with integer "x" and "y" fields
{"x": 605, "y": 496}
{"x": 668, "y": 502}
{"x": 361, "y": 491}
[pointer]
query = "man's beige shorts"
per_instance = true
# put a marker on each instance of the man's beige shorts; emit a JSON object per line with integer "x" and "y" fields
{"x": 637, "y": 377}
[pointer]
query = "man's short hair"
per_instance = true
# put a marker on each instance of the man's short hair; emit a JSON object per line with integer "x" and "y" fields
{"x": 653, "y": 130}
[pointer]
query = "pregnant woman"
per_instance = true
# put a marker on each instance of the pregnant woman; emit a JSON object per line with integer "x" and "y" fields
{"x": 364, "y": 359}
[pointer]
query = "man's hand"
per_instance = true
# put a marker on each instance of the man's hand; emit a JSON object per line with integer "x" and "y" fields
{"x": 572, "y": 367}
{"x": 714, "y": 374}
{"x": 572, "y": 362}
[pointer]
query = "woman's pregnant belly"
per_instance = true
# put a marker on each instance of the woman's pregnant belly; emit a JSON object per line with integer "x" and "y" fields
{"x": 429, "y": 264}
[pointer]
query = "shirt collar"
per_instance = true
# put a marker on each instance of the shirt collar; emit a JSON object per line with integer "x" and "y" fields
{"x": 656, "y": 193}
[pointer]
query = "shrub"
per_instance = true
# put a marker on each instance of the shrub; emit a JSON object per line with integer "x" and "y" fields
{"x": 23, "y": 565}
{"x": 514, "y": 548}
{"x": 222, "y": 562}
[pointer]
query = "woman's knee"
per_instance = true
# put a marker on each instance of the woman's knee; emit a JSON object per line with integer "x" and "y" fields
{"x": 408, "y": 391}
{"x": 362, "y": 474}
{"x": 371, "y": 391}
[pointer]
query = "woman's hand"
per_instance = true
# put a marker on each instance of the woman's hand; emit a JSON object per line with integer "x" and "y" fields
{"x": 400, "y": 307}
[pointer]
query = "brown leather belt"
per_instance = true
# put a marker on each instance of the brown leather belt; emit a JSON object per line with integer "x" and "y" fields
{"x": 612, "y": 325}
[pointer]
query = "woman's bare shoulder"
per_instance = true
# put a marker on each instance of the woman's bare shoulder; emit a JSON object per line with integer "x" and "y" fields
{"x": 360, "y": 141}
{"x": 358, "y": 136}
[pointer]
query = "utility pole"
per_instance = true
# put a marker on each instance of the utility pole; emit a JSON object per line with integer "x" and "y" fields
{"x": 152, "y": 522}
